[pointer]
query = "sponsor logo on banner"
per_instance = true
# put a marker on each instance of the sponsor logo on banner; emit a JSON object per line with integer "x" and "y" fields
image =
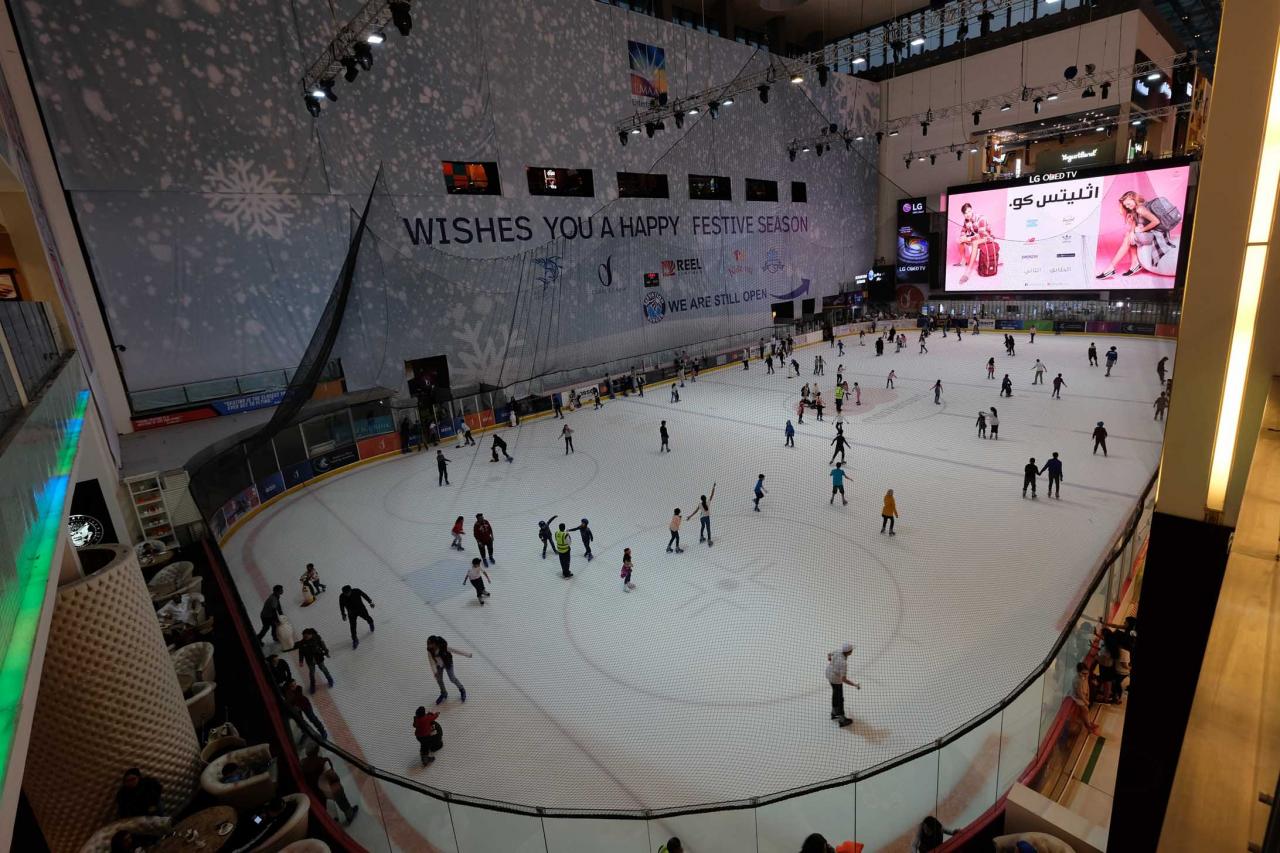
{"x": 651, "y": 280}
{"x": 270, "y": 486}
{"x": 773, "y": 261}
{"x": 681, "y": 266}
{"x": 334, "y": 459}
{"x": 655, "y": 307}
{"x": 550, "y": 267}
{"x": 909, "y": 207}
{"x": 799, "y": 291}
{"x": 605, "y": 272}
{"x": 1068, "y": 325}
{"x": 1138, "y": 328}
{"x": 739, "y": 265}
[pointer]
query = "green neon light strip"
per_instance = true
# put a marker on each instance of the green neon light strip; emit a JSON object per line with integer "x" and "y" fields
{"x": 34, "y": 562}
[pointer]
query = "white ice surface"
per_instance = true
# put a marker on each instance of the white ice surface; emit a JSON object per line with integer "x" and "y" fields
{"x": 706, "y": 682}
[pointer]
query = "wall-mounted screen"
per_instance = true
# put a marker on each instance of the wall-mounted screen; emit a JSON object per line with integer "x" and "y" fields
{"x": 1119, "y": 228}
{"x": 913, "y": 242}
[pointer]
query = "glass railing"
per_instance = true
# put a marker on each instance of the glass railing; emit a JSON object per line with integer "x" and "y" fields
{"x": 32, "y": 346}
{"x": 960, "y": 778}
{"x": 208, "y": 390}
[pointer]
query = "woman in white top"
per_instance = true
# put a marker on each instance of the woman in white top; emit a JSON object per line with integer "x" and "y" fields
{"x": 704, "y": 508}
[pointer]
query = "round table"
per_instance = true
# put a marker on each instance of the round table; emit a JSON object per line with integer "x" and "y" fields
{"x": 201, "y": 827}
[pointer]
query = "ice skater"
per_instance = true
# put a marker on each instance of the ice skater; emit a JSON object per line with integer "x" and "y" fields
{"x": 994, "y": 423}
{"x": 1058, "y": 384}
{"x": 991, "y": 367}
{"x": 1006, "y": 386}
{"x": 271, "y": 614}
{"x": 673, "y": 542}
{"x": 790, "y": 433}
{"x": 566, "y": 432}
{"x": 879, "y": 347}
{"x": 424, "y": 727}
{"x": 982, "y": 424}
{"x": 482, "y": 530}
{"x": 1112, "y": 358}
{"x": 889, "y": 511}
{"x": 838, "y": 677}
{"x": 351, "y": 606}
{"x": 441, "y": 656}
{"x": 923, "y": 346}
{"x": 675, "y": 392}
{"x": 839, "y": 396}
{"x": 544, "y": 534}
{"x": 500, "y": 445}
{"x": 442, "y": 466}
{"x": 560, "y": 543}
{"x": 459, "y": 527}
{"x": 862, "y": 337}
{"x": 587, "y": 536}
{"x": 1038, "y": 370}
{"x": 857, "y": 394}
{"x": 467, "y": 439}
{"x": 1032, "y": 331}
{"x": 476, "y": 576}
{"x": 840, "y": 348}
{"x": 1029, "y": 472}
{"x": 1093, "y": 355}
{"x": 311, "y": 580}
{"x": 837, "y": 481}
{"x": 937, "y": 393}
{"x": 818, "y": 405}
{"x": 840, "y": 443}
{"x": 768, "y": 363}
{"x": 313, "y": 651}
{"x": 1099, "y": 439}
{"x": 746, "y": 358}
{"x": 888, "y": 383}
{"x": 1054, "y": 469}
{"x": 1160, "y": 369}
{"x": 704, "y": 512}
{"x": 800, "y": 407}
{"x": 1161, "y": 403}
{"x": 759, "y": 491}
{"x": 665, "y": 437}
{"x": 627, "y": 567}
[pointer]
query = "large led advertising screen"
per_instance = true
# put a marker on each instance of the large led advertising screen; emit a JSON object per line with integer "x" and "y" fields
{"x": 1118, "y": 228}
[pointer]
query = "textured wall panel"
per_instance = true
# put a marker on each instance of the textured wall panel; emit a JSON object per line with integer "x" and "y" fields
{"x": 109, "y": 700}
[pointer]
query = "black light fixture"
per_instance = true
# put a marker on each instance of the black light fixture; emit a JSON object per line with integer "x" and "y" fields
{"x": 977, "y": 117}
{"x": 791, "y": 153}
{"x": 325, "y": 87}
{"x": 622, "y": 138}
{"x": 714, "y": 108}
{"x": 894, "y": 132}
{"x": 823, "y": 71}
{"x": 879, "y": 136}
{"x": 659, "y": 125}
{"x": 1037, "y": 102}
{"x": 959, "y": 154}
{"x": 907, "y": 161}
{"x": 313, "y": 103}
{"x": 848, "y": 144}
{"x": 933, "y": 159}
{"x": 1088, "y": 92}
{"x": 818, "y": 149}
{"x": 363, "y": 54}
{"x": 1026, "y": 93}
{"x": 1106, "y": 90}
{"x": 662, "y": 99}
{"x": 763, "y": 89}
{"x": 679, "y": 116}
{"x": 649, "y": 128}
{"x": 1070, "y": 72}
{"x": 349, "y": 63}
{"x": 400, "y": 16}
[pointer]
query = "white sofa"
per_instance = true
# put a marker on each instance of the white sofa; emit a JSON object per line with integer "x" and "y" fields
{"x": 194, "y": 663}
{"x": 293, "y": 831}
{"x": 174, "y": 579}
{"x": 100, "y": 841}
{"x": 200, "y": 703}
{"x": 245, "y": 793}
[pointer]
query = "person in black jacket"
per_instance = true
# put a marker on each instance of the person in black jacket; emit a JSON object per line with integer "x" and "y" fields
{"x": 271, "y": 613}
{"x": 1029, "y": 473}
{"x": 351, "y": 604}
{"x": 313, "y": 650}
{"x": 442, "y": 465}
{"x": 1099, "y": 439}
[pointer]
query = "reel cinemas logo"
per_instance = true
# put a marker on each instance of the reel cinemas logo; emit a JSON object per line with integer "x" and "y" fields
{"x": 681, "y": 266}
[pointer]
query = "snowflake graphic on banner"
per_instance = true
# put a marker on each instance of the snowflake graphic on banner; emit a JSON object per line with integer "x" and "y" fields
{"x": 479, "y": 358}
{"x": 249, "y": 198}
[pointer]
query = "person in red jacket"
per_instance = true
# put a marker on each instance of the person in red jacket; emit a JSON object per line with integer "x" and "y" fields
{"x": 483, "y": 532}
{"x": 423, "y": 726}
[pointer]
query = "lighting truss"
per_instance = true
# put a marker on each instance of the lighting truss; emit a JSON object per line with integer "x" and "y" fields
{"x": 373, "y": 17}
{"x": 835, "y": 138}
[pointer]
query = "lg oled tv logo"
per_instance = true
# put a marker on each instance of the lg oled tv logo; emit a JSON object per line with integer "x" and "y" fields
{"x": 910, "y": 207}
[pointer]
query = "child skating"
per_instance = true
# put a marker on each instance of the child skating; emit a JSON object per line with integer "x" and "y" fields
{"x": 888, "y": 383}
{"x": 790, "y": 433}
{"x": 627, "y": 566}
{"x": 704, "y": 512}
{"x": 889, "y": 511}
{"x": 544, "y": 534}
{"x": 566, "y": 432}
{"x": 759, "y": 492}
{"x": 673, "y": 543}
{"x": 937, "y": 393}
{"x": 982, "y": 424}
{"x": 1058, "y": 384}
{"x": 584, "y": 531}
{"x": 459, "y": 528}
{"x": 476, "y": 576}
{"x": 991, "y": 367}
{"x": 665, "y": 436}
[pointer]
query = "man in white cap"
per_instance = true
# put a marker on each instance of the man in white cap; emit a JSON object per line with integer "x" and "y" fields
{"x": 838, "y": 675}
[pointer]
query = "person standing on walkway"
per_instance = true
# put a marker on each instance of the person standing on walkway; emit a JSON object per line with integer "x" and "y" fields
{"x": 982, "y": 424}
{"x": 351, "y": 604}
{"x": 888, "y": 383}
{"x": 1161, "y": 403}
{"x": 1029, "y": 472}
{"x": 442, "y": 466}
{"x": 1099, "y": 439}
{"x": 991, "y": 367}
{"x": 1058, "y": 384}
{"x": 483, "y": 531}
{"x": 838, "y": 677}
{"x": 1112, "y": 358}
{"x": 840, "y": 443}
{"x": 1054, "y": 468}
{"x": 759, "y": 491}
{"x": 937, "y": 393}
{"x": 790, "y": 431}
{"x": 560, "y": 543}
{"x": 837, "y": 483}
{"x": 673, "y": 543}
{"x": 566, "y": 432}
{"x": 889, "y": 511}
{"x": 1093, "y": 355}
{"x": 271, "y": 614}
{"x": 704, "y": 513}
{"x": 476, "y": 576}
{"x": 1038, "y": 370}
{"x": 441, "y": 656}
{"x": 313, "y": 651}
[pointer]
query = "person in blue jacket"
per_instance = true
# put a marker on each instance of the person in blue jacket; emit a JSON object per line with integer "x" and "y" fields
{"x": 791, "y": 435}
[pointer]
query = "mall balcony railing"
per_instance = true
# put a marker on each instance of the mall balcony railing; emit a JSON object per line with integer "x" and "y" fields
{"x": 30, "y": 353}
{"x": 193, "y": 393}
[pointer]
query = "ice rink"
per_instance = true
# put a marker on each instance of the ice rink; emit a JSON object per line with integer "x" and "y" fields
{"x": 706, "y": 682}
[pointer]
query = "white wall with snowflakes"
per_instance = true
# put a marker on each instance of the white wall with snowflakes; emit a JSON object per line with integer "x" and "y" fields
{"x": 216, "y": 212}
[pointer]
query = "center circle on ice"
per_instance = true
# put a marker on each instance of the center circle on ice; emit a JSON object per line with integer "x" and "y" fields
{"x": 720, "y": 626}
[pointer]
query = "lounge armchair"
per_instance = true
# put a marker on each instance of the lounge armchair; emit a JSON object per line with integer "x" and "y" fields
{"x": 293, "y": 831}
{"x": 194, "y": 663}
{"x": 100, "y": 841}
{"x": 200, "y": 703}
{"x": 174, "y": 579}
{"x": 243, "y": 793}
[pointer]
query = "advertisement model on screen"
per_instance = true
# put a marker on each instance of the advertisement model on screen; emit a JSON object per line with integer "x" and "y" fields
{"x": 1117, "y": 228}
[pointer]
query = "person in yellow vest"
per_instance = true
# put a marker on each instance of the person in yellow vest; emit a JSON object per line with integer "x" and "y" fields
{"x": 839, "y": 394}
{"x": 560, "y": 541}
{"x": 888, "y": 512}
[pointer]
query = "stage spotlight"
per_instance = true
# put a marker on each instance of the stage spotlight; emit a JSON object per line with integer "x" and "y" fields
{"x": 924, "y": 128}
{"x": 1052, "y": 97}
{"x": 894, "y": 132}
{"x": 1005, "y": 108}
{"x": 859, "y": 138}
{"x": 313, "y": 103}
{"x": 1036, "y": 103}
{"x": 763, "y": 89}
{"x": 714, "y": 109}
{"x": 649, "y": 128}
{"x": 692, "y": 111}
{"x": 400, "y": 16}
{"x": 822, "y": 75}
{"x": 325, "y": 87}
{"x": 622, "y": 138}
{"x": 1106, "y": 90}
{"x": 727, "y": 102}
{"x": 363, "y": 54}
{"x": 857, "y": 60}
{"x": 1154, "y": 76}
{"x": 959, "y": 154}
{"x": 679, "y": 116}
{"x": 977, "y": 117}
{"x": 349, "y": 63}
{"x": 376, "y": 38}
{"x": 805, "y": 149}
{"x": 917, "y": 41}
{"x": 1088, "y": 92}
{"x": 933, "y": 159}
{"x": 1099, "y": 129}
{"x": 797, "y": 78}
{"x": 791, "y": 153}
{"x": 820, "y": 149}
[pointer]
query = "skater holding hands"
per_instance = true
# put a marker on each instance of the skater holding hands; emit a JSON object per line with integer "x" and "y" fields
{"x": 704, "y": 510}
